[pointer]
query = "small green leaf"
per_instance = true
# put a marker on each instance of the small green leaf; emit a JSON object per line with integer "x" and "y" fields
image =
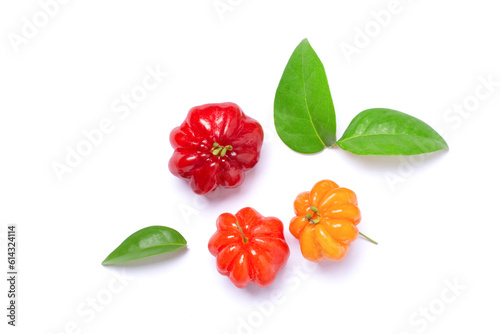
{"x": 149, "y": 241}
{"x": 382, "y": 131}
{"x": 303, "y": 108}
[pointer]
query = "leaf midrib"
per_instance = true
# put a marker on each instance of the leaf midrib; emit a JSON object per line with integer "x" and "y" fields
{"x": 305, "y": 99}
{"x": 163, "y": 245}
{"x": 386, "y": 134}
{"x": 142, "y": 249}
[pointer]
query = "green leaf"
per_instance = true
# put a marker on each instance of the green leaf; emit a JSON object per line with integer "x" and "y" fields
{"x": 382, "y": 131}
{"x": 303, "y": 108}
{"x": 149, "y": 241}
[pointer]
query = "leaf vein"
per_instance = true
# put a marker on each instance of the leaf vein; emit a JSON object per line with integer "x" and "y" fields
{"x": 305, "y": 100}
{"x": 387, "y": 134}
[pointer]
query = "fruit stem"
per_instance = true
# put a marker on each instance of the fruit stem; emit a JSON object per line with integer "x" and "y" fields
{"x": 245, "y": 239}
{"x": 369, "y": 239}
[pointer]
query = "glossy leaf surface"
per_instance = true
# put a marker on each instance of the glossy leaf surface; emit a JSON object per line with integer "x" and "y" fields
{"x": 382, "y": 131}
{"x": 304, "y": 115}
{"x": 149, "y": 241}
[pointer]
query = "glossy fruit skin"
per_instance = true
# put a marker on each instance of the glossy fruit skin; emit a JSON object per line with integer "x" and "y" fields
{"x": 328, "y": 232}
{"x": 259, "y": 259}
{"x": 214, "y": 146}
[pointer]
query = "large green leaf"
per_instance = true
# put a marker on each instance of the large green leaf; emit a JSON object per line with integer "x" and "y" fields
{"x": 389, "y": 132}
{"x": 303, "y": 108}
{"x": 149, "y": 241}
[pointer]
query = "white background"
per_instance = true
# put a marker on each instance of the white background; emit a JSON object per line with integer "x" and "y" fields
{"x": 435, "y": 216}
